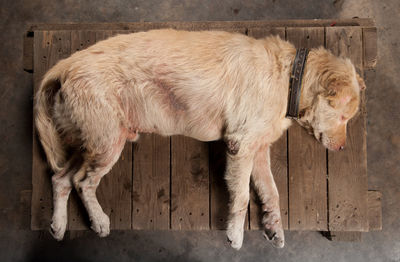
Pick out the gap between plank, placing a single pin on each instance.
(287, 164)
(170, 183)
(327, 166)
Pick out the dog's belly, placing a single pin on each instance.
(160, 120)
(205, 132)
(172, 110)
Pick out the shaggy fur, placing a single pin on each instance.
(206, 85)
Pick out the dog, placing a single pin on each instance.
(206, 85)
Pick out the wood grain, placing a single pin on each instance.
(27, 57)
(206, 25)
(307, 158)
(370, 47)
(348, 209)
(151, 183)
(261, 32)
(219, 195)
(278, 154)
(280, 172)
(115, 189)
(77, 215)
(375, 210)
(49, 47)
(189, 184)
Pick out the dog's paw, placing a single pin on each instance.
(273, 230)
(235, 236)
(101, 225)
(275, 237)
(57, 229)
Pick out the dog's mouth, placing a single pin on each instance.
(315, 133)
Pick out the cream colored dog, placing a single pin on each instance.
(205, 85)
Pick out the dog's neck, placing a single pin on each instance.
(311, 86)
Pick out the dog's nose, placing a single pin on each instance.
(341, 148)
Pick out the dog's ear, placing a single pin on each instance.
(361, 82)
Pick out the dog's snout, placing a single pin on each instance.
(341, 147)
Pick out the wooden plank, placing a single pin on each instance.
(189, 184)
(77, 215)
(103, 35)
(82, 39)
(121, 206)
(27, 58)
(370, 47)
(375, 210)
(278, 155)
(280, 172)
(307, 158)
(151, 183)
(348, 209)
(219, 195)
(115, 190)
(141, 26)
(49, 47)
(261, 32)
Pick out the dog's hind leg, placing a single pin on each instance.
(62, 186)
(87, 181)
(267, 191)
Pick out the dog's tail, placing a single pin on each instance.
(44, 122)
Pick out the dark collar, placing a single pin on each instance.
(295, 83)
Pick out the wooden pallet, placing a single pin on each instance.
(177, 183)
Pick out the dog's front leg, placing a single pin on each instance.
(265, 187)
(239, 166)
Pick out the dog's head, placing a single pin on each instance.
(331, 97)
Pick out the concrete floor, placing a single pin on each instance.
(18, 243)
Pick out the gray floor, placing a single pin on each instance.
(18, 243)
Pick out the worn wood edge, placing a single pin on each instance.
(375, 210)
(370, 47)
(364, 22)
(27, 57)
(37, 158)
